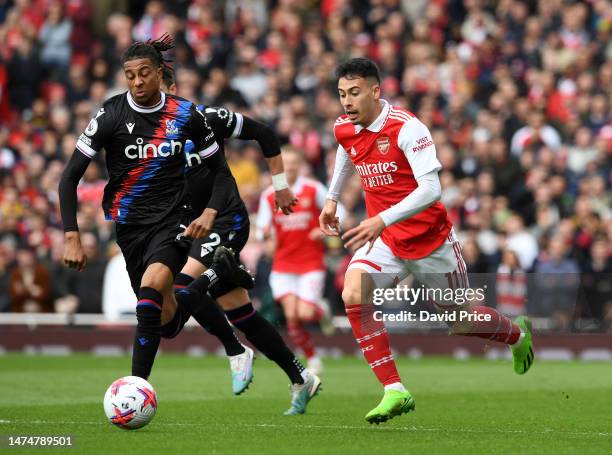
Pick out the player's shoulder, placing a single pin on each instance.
(410, 127)
(401, 115)
(114, 104)
(184, 103)
(343, 128)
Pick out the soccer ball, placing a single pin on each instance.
(130, 402)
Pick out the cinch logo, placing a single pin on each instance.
(142, 150)
(193, 159)
(367, 169)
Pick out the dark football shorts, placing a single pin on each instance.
(230, 232)
(163, 242)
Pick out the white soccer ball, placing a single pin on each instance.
(130, 402)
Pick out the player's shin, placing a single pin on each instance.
(300, 337)
(489, 324)
(267, 339)
(209, 315)
(372, 337)
(148, 331)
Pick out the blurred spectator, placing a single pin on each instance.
(117, 294)
(511, 286)
(521, 241)
(535, 134)
(54, 38)
(558, 280)
(4, 280)
(84, 289)
(30, 285)
(597, 282)
(23, 75)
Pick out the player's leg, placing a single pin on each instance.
(240, 312)
(298, 335)
(371, 334)
(155, 284)
(444, 269)
(310, 309)
(285, 288)
(205, 311)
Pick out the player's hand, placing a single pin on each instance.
(367, 231)
(328, 221)
(316, 234)
(74, 256)
(202, 225)
(285, 200)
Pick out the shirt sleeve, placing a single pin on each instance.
(415, 141)
(427, 192)
(343, 167)
(96, 134)
(224, 122)
(201, 134)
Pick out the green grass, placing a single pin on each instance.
(472, 406)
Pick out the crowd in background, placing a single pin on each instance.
(517, 95)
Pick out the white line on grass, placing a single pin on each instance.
(327, 427)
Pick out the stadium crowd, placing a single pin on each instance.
(517, 95)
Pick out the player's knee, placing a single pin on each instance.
(306, 311)
(159, 277)
(351, 296)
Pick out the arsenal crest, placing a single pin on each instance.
(384, 144)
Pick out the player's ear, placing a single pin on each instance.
(376, 90)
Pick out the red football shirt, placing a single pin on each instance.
(389, 155)
(295, 251)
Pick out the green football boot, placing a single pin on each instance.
(393, 403)
(522, 355)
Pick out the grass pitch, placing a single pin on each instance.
(472, 406)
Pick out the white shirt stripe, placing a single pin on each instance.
(85, 149)
(238, 127)
(209, 151)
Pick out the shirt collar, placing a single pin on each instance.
(380, 121)
(146, 109)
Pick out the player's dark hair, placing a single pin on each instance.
(151, 49)
(358, 67)
(168, 76)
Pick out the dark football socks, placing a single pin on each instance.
(266, 339)
(148, 331)
(205, 311)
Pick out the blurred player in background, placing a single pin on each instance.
(298, 269)
(231, 229)
(407, 232)
(144, 132)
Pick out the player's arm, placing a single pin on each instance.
(233, 124)
(263, 222)
(415, 141)
(205, 143)
(87, 146)
(343, 168)
(284, 198)
(74, 256)
(417, 144)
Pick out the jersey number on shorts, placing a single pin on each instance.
(208, 247)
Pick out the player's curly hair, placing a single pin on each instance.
(151, 49)
(358, 67)
(168, 76)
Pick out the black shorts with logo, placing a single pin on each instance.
(163, 242)
(230, 231)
